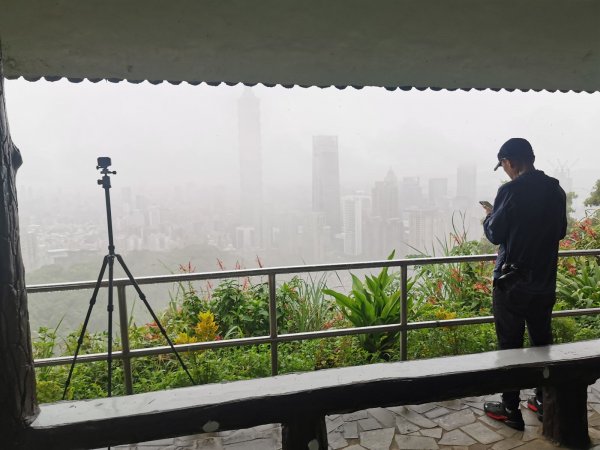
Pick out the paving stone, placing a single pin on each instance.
(530, 433)
(273, 433)
(386, 418)
(245, 435)
(355, 447)
(456, 405)
(397, 409)
(493, 398)
(491, 422)
(507, 444)
(404, 426)
(476, 405)
(538, 444)
(333, 424)
(157, 442)
(478, 447)
(256, 444)
(336, 440)
(267, 427)
(416, 443)
(418, 419)
(477, 412)
(416, 433)
(369, 424)
(355, 416)
(593, 397)
(594, 434)
(481, 433)
(507, 432)
(377, 440)
(479, 398)
(210, 443)
(437, 412)
(456, 420)
(423, 408)
(350, 430)
(432, 432)
(456, 437)
(594, 419)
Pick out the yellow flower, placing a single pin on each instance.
(183, 338)
(206, 328)
(442, 314)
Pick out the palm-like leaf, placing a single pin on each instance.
(370, 303)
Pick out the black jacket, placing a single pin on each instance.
(528, 220)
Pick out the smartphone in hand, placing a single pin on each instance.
(486, 204)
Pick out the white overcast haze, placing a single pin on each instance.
(167, 135)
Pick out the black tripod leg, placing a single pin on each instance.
(85, 323)
(162, 330)
(109, 309)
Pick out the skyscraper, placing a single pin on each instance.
(251, 193)
(326, 180)
(355, 210)
(386, 202)
(411, 195)
(438, 192)
(466, 182)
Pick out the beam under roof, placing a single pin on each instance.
(512, 44)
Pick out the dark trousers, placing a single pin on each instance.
(512, 311)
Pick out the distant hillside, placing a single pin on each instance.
(49, 308)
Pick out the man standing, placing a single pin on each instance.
(527, 221)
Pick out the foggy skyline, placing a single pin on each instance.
(236, 167)
(172, 134)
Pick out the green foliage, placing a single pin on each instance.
(446, 291)
(445, 341)
(240, 308)
(579, 287)
(583, 234)
(594, 198)
(305, 307)
(244, 307)
(372, 303)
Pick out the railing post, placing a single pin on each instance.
(124, 326)
(404, 313)
(273, 323)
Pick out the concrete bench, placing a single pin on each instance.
(300, 402)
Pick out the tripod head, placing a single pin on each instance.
(103, 163)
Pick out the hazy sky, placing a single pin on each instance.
(169, 134)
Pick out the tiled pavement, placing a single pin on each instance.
(457, 424)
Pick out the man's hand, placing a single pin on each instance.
(487, 206)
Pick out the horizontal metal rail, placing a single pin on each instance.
(274, 338)
(222, 274)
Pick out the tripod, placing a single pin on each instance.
(109, 260)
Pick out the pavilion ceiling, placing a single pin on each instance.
(450, 44)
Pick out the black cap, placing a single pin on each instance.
(517, 149)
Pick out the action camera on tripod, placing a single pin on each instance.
(108, 262)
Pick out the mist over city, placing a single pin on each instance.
(238, 177)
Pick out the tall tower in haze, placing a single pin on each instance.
(466, 182)
(386, 202)
(326, 180)
(251, 189)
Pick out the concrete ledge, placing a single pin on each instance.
(288, 398)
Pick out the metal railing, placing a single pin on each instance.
(274, 338)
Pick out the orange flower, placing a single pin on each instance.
(481, 287)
